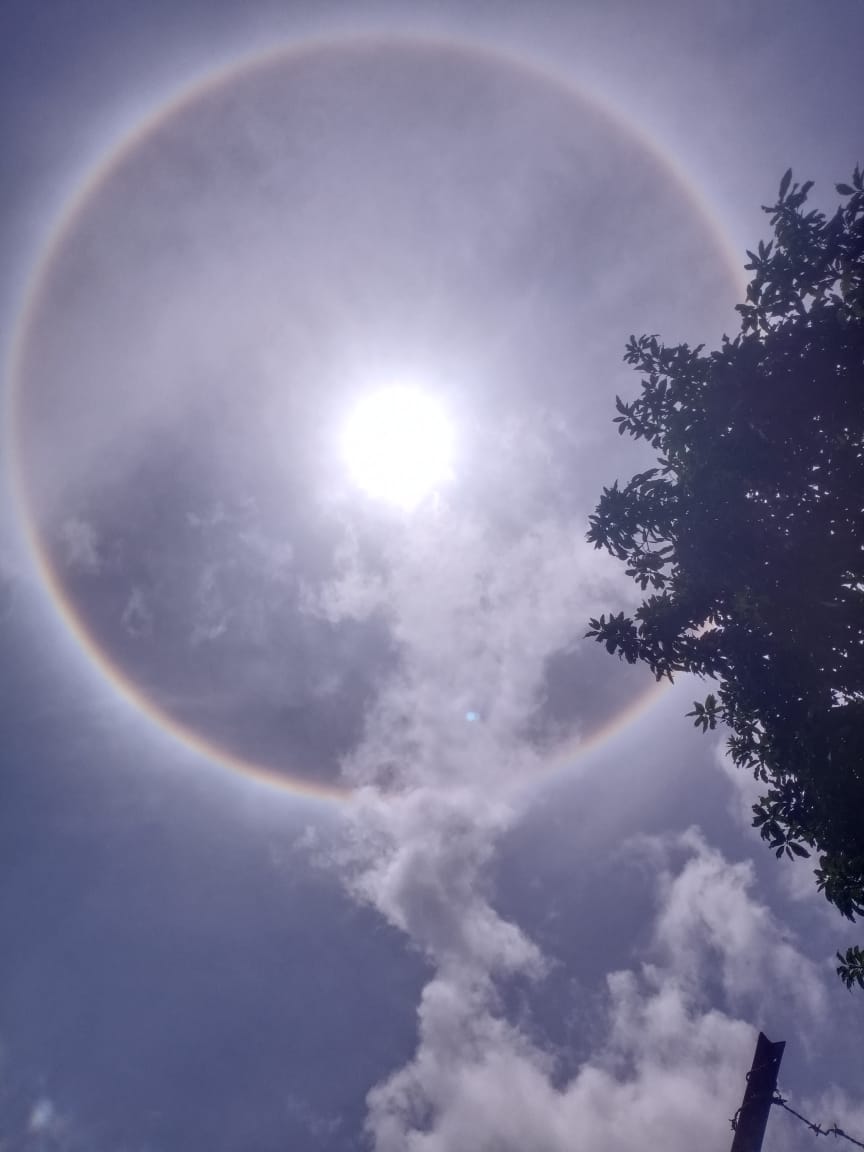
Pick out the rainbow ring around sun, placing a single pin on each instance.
(310, 304)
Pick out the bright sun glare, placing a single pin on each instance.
(398, 445)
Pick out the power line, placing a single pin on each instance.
(834, 1130)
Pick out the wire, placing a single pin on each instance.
(834, 1130)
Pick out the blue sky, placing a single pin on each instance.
(547, 925)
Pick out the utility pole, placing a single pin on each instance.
(761, 1083)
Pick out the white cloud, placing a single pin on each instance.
(137, 616)
(475, 619)
(43, 1116)
(709, 919)
(211, 618)
(81, 546)
(668, 1075)
(670, 1069)
(356, 594)
(420, 858)
(475, 613)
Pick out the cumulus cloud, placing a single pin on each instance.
(713, 927)
(670, 1068)
(666, 1076)
(474, 616)
(474, 620)
(420, 857)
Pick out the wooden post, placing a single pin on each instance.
(761, 1083)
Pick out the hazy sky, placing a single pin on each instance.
(322, 827)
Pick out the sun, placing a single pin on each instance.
(398, 445)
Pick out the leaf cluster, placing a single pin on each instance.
(851, 967)
(748, 534)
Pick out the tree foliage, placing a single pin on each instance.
(747, 535)
(851, 967)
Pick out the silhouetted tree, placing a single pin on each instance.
(851, 967)
(748, 533)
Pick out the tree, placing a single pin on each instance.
(851, 967)
(749, 534)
